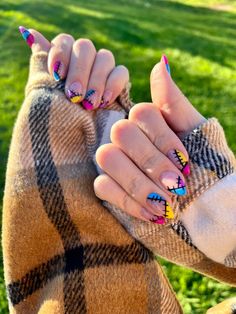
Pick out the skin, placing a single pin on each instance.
(83, 64)
(140, 144)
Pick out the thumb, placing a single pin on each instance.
(176, 109)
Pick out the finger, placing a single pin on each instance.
(150, 160)
(107, 189)
(150, 120)
(103, 65)
(178, 112)
(35, 40)
(116, 82)
(59, 56)
(111, 159)
(81, 62)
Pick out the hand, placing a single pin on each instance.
(92, 78)
(145, 163)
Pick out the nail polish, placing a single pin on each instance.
(158, 202)
(166, 63)
(159, 220)
(57, 70)
(173, 183)
(74, 92)
(28, 37)
(90, 99)
(179, 159)
(106, 98)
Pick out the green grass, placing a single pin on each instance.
(199, 42)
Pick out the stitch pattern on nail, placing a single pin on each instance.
(154, 198)
(74, 97)
(88, 102)
(28, 37)
(103, 103)
(56, 70)
(180, 189)
(183, 162)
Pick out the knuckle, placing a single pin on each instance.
(125, 202)
(120, 129)
(104, 153)
(106, 53)
(84, 43)
(150, 163)
(134, 186)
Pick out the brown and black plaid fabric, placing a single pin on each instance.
(63, 250)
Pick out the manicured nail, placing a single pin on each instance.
(57, 70)
(179, 159)
(106, 98)
(173, 183)
(28, 37)
(90, 99)
(74, 92)
(166, 63)
(158, 202)
(160, 220)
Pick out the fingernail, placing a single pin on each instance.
(57, 70)
(28, 37)
(160, 220)
(173, 183)
(179, 159)
(89, 99)
(164, 58)
(106, 98)
(74, 92)
(158, 202)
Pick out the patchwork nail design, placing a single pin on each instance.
(180, 161)
(74, 92)
(173, 183)
(89, 99)
(106, 98)
(28, 37)
(166, 63)
(159, 220)
(158, 202)
(57, 70)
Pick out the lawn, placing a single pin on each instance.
(197, 36)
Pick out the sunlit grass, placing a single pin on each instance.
(199, 42)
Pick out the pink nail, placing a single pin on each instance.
(28, 37)
(164, 58)
(106, 98)
(179, 159)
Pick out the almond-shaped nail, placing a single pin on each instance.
(173, 183)
(159, 220)
(158, 202)
(164, 58)
(28, 37)
(58, 70)
(180, 160)
(106, 98)
(74, 92)
(89, 99)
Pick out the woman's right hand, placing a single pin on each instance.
(146, 162)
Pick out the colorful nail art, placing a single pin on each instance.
(106, 98)
(158, 202)
(173, 183)
(166, 63)
(159, 220)
(89, 100)
(74, 92)
(28, 37)
(57, 70)
(181, 162)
